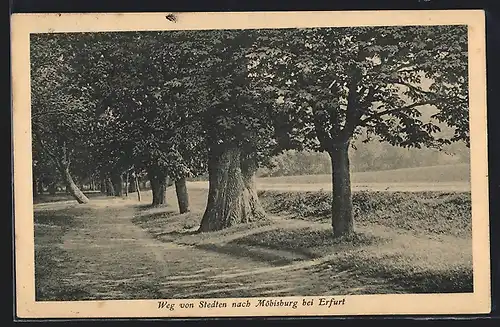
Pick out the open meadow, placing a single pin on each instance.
(119, 248)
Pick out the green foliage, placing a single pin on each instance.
(59, 110)
(337, 82)
(366, 157)
(108, 102)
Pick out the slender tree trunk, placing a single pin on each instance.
(162, 194)
(103, 186)
(72, 188)
(126, 185)
(182, 195)
(136, 183)
(110, 187)
(342, 215)
(153, 183)
(232, 197)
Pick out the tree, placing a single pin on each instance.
(59, 110)
(237, 133)
(141, 121)
(343, 81)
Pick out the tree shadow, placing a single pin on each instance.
(62, 217)
(179, 233)
(254, 253)
(167, 225)
(280, 246)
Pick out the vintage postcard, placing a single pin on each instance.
(250, 164)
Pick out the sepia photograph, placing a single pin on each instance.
(250, 164)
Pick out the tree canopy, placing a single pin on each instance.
(177, 104)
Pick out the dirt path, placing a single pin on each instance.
(107, 256)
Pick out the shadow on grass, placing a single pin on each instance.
(306, 240)
(50, 227)
(144, 207)
(166, 225)
(59, 197)
(280, 246)
(396, 269)
(65, 217)
(252, 253)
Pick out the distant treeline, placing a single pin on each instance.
(371, 156)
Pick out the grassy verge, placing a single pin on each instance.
(50, 227)
(419, 242)
(424, 244)
(419, 212)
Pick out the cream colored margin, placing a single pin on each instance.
(24, 24)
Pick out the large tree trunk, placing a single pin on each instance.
(182, 195)
(72, 188)
(117, 180)
(159, 183)
(342, 216)
(232, 197)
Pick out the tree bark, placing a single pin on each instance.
(182, 195)
(159, 183)
(72, 188)
(117, 180)
(103, 186)
(126, 185)
(136, 183)
(110, 188)
(232, 197)
(342, 215)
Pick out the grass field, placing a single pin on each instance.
(435, 174)
(113, 248)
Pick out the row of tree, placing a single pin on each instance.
(373, 156)
(179, 104)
